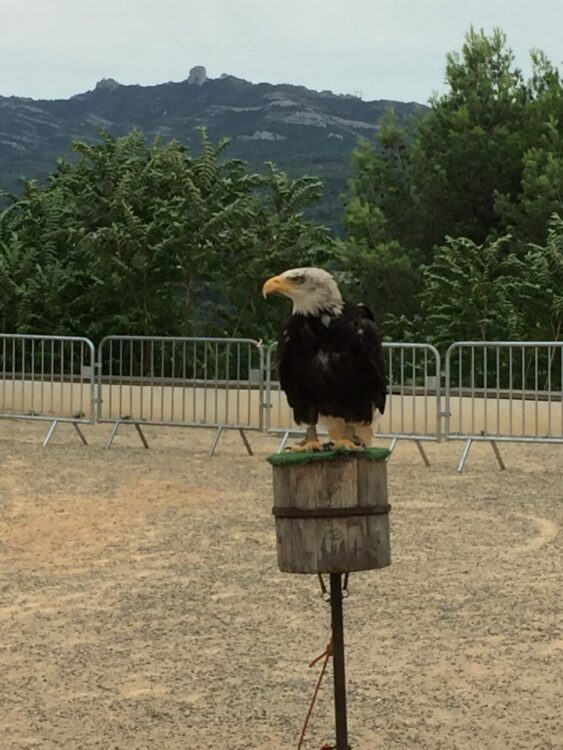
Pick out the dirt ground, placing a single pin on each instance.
(141, 606)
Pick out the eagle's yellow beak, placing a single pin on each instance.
(277, 284)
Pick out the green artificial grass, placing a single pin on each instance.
(296, 459)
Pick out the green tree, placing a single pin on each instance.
(470, 146)
(536, 285)
(41, 278)
(485, 161)
(379, 206)
(278, 238)
(386, 278)
(380, 269)
(484, 292)
(526, 214)
(148, 239)
(466, 295)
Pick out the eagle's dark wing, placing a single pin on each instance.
(297, 345)
(332, 365)
(364, 344)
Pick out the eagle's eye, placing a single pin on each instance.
(299, 279)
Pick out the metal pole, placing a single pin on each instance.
(338, 659)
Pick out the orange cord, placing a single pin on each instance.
(326, 654)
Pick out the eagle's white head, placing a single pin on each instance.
(311, 290)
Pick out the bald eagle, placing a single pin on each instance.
(330, 359)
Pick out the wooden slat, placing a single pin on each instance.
(372, 489)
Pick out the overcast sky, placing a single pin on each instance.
(385, 49)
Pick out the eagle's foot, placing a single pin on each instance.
(309, 443)
(307, 446)
(349, 445)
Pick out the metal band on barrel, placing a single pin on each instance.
(356, 510)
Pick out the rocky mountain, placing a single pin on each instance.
(301, 130)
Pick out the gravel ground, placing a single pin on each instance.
(141, 606)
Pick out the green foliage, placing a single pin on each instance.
(536, 284)
(380, 270)
(379, 206)
(483, 292)
(385, 277)
(470, 146)
(147, 239)
(468, 190)
(526, 215)
(464, 293)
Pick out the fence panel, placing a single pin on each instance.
(413, 407)
(176, 381)
(505, 390)
(49, 378)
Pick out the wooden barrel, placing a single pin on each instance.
(332, 514)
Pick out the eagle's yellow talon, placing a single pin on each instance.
(348, 445)
(309, 445)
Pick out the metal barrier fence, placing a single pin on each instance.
(496, 391)
(501, 391)
(174, 381)
(47, 378)
(413, 410)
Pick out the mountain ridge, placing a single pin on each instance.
(300, 129)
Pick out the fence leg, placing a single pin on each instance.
(497, 454)
(391, 448)
(246, 443)
(464, 455)
(113, 433)
(141, 435)
(422, 452)
(50, 432)
(283, 443)
(80, 433)
(217, 436)
(53, 427)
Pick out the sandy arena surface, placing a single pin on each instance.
(141, 606)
